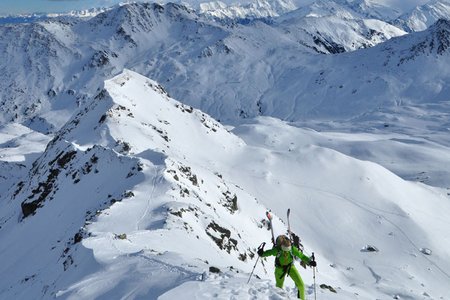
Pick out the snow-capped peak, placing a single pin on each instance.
(425, 15)
(133, 102)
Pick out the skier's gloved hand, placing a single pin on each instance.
(260, 251)
(312, 263)
(296, 240)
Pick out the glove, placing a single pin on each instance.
(312, 263)
(303, 264)
(260, 251)
(296, 240)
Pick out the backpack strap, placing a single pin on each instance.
(277, 259)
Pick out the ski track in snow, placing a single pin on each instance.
(150, 197)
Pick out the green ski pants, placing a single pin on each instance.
(280, 274)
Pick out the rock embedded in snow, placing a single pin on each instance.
(213, 269)
(425, 251)
(369, 248)
(328, 287)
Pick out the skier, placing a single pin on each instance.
(284, 263)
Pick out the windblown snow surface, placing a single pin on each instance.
(139, 196)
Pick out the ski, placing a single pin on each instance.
(269, 217)
(289, 224)
(295, 240)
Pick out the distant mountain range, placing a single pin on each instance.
(29, 18)
(230, 68)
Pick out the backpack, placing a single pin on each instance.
(296, 241)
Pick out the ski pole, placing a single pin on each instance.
(314, 275)
(251, 274)
(264, 267)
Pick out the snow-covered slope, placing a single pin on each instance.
(334, 201)
(387, 10)
(19, 148)
(403, 72)
(110, 206)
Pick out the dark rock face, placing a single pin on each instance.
(221, 236)
(330, 46)
(46, 187)
(41, 192)
(442, 36)
(29, 208)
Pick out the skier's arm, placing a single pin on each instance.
(300, 255)
(271, 252)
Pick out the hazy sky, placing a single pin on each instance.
(29, 6)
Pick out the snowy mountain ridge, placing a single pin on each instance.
(98, 155)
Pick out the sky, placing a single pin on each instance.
(11, 7)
